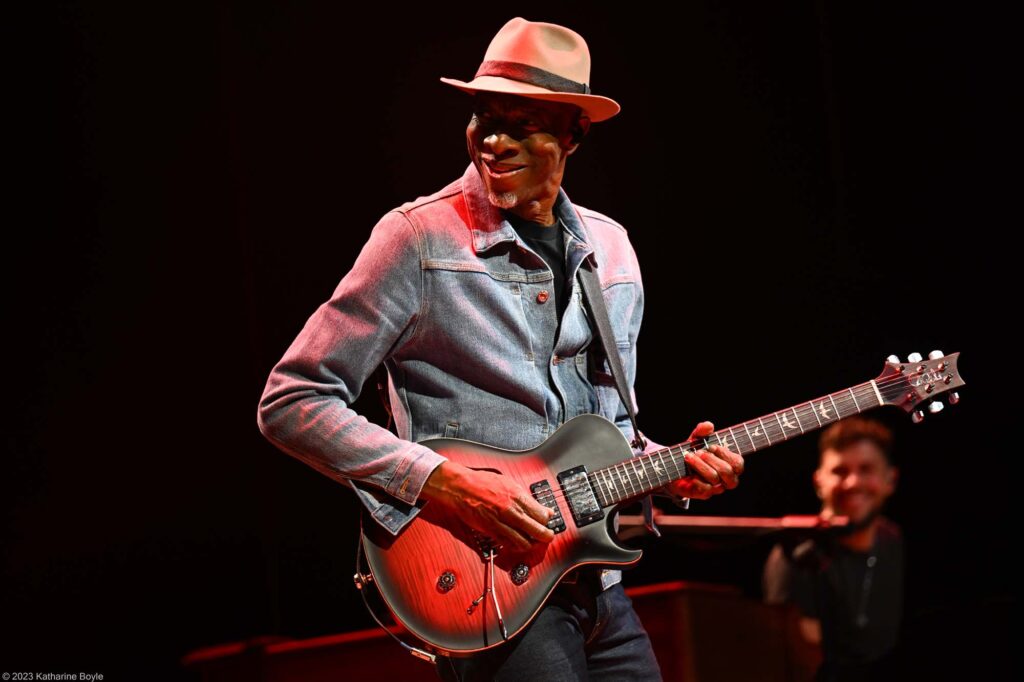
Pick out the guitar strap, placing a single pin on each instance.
(599, 314)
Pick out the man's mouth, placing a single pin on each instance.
(501, 171)
(855, 500)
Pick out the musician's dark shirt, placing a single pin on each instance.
(549, 243)
(860, 606)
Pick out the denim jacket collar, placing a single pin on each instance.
(489, 227)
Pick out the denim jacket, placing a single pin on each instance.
(462, 313)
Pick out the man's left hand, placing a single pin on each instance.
(712, 471)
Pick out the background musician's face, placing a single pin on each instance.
(519, 146)
(855, 481)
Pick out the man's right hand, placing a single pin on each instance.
(492, 504)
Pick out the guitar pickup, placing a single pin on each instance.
(542, 493)
(580, 496)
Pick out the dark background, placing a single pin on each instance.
(809, 187)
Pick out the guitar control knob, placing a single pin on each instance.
(954, 398)
(914, 357)
(893, 360)
(446, 581)
(917, 416)
(520, 574)
(935, 355)
(935, 406)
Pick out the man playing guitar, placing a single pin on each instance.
(471, 298)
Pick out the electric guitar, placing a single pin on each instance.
(456, 591)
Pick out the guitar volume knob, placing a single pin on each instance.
(446, 581)
(520, 574)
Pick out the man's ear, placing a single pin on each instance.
(817, 484)
(578, 131)
(581, 129)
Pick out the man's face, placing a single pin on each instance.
(856, 481)
(519, 146)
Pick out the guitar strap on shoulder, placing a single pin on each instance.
(598, 313)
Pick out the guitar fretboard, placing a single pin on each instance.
(640, 475)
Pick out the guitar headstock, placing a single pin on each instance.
(909, 384)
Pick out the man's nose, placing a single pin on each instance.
(498, 143)
(851, 480)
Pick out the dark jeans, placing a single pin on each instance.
(581, 633)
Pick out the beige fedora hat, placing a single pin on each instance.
(542, 61)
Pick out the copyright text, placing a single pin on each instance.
(51, 677)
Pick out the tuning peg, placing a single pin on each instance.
(935, 406)
(914, 357)
(954, 398)
(936, 354)
(917, 417)
(892, 359)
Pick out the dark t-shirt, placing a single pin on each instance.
(857, 596)
(549, 243)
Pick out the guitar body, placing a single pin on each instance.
(435, 575)
(407, 569)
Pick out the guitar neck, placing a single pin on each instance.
(640, 475)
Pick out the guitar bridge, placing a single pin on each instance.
(485, 544)
(580, 495)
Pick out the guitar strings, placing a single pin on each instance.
(553, 495)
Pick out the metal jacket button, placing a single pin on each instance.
(542, 297)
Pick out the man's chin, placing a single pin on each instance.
(504, 200)
(859, 518)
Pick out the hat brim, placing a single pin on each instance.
(597, 108)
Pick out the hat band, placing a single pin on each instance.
(532, 75)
